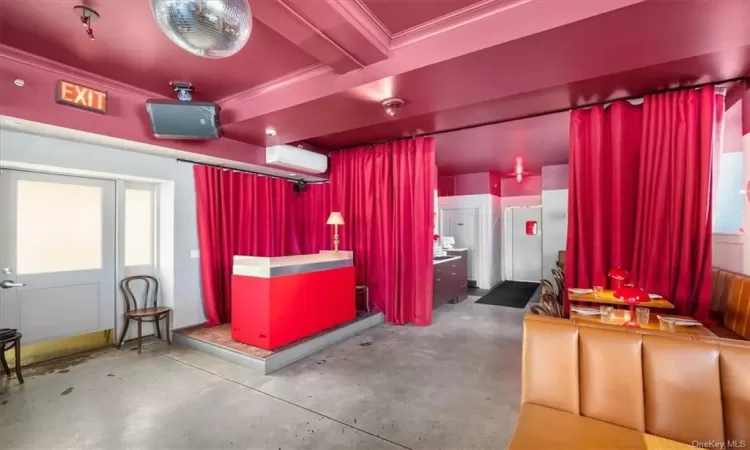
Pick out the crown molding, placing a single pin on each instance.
(285, 20)
(297, 76)
(464, 16)
(359, 15)
(64, 70)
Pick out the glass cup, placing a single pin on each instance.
(598, 290)
(642, 315)
(607, 313)
(667, 325)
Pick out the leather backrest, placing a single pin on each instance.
(681, 387)
(718, 290)
(611, 385)
(559, 363)
(737, 304)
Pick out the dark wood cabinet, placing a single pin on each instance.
(450, 281)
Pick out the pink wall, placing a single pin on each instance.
(555, 177)
(746, 159)
(496, 183)
(552, 178)
(469, 184)
(531, 185)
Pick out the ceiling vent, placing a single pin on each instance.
(295, 158)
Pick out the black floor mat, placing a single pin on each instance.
(515, 294)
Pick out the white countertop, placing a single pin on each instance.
(265, 267)
(440, 261)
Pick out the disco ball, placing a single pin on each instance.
(208, 28)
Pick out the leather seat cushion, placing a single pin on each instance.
(545, 428)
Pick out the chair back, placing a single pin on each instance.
(150, 292)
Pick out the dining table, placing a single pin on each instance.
(621, 317)
(607, 297)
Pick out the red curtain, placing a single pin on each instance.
(385, 195)
(603, 168)
(640, 188)
(673, 234)
(245, 214)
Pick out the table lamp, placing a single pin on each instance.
(632, 296)
(619, 277)
(335, 219)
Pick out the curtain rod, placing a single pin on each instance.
(292, 180)
(552, 111)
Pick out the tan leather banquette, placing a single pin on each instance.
(601, 386)
(731, 300)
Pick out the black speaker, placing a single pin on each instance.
(184, 120)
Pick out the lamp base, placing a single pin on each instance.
(632, 322)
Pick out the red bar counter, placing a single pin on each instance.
(276, 301)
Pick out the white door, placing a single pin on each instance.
(526, 225)
(461, 224)
(57, 254)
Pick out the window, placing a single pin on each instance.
(730, 203)
(139, 226)
(74, 243)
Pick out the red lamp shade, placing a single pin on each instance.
(632, 296)
(619, 277)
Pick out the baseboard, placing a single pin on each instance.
(60, 348)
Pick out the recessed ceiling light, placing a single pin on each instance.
(292, 174)
(19, 82)
(270, 132)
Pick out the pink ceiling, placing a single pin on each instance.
(503, 82)
(317, 71)
(399, 15)
(540, 141)
(130, 48)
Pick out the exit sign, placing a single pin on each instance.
(83, 97)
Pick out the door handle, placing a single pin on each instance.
(7, 284)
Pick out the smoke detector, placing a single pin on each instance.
(391, 105)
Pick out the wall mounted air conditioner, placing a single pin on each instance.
(294, 158)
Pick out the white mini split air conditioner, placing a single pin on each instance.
(294, 158)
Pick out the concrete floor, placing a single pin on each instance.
(453, 385)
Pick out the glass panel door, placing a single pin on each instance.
(57, 254)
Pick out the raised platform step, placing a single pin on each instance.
(217, 342)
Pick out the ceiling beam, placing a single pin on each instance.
(501, 22)
(319, 29)
(284, 20)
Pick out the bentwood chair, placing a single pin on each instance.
(149, 314)
(11, 339)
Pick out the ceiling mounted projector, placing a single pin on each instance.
(208, 28)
